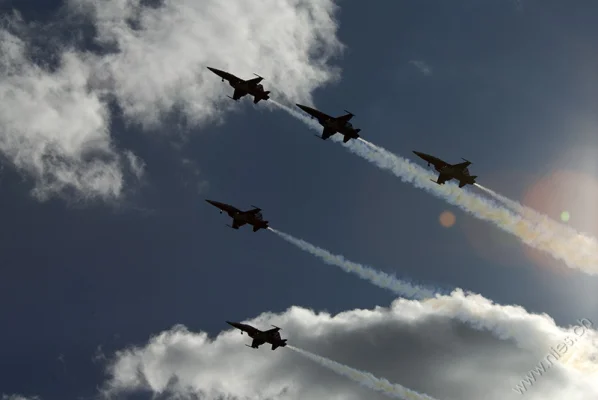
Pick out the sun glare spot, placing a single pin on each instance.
(447, 219)
(565, 216)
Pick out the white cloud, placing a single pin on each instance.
(422, 66)
(54, 128)
(416, 344)
(161, 55)
(55, 124)
(18, 397)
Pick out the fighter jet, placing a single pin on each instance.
(271, 336)
(447, 171)
(333, 125)
(252, 217)
(243, 87)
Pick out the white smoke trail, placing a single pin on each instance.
(365, 378)
(576, 251)
(378, 278)
(474, 317)
(530, 213)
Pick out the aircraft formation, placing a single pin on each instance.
(331, 126)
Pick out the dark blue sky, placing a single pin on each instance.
(513, 89)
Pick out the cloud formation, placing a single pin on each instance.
(55, 129)
(417, 344)
(55, 122)
(159, 54)
(18, 397)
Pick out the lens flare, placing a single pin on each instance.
(555, 194)
(447, 219)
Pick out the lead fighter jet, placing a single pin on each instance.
(271, 336)
(333, 125)
(447, 171)
(243, 87)
(252, 217)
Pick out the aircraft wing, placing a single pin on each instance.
(237, 224)
(238, 93)
(257, 343)
(254, 81)
(462, 165)
(327, 133)
(443, 178)
(345, 118)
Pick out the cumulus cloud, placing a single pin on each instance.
(157, 54)
(417, 344)
(54, 128)
(55, 122)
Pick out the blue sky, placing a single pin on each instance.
(511, 86)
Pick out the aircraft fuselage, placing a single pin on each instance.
(456, 173)
(344, 128)
(272, 336)
(254, 89)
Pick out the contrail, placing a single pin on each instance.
(474, 317)
(530, 213)
(365, 378)
(378, 278)
(576, 251)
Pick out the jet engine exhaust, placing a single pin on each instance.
(365, 379)
(576, 250)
